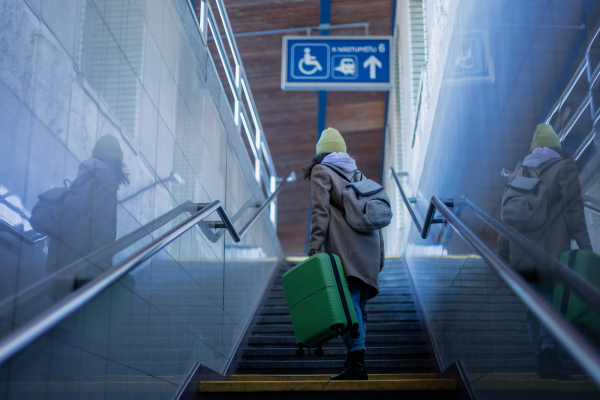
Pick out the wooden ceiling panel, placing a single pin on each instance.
(289, 118)
(363, 118)
(261, 15)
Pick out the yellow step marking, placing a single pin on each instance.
(372, 377)
(318, 386)
(295, 258)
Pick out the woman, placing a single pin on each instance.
(91, 221)
(565, 221)
(361, 253)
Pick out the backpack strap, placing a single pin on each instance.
(81, 180)
(356, 172)
(337, 207)
(337, 172)
(333, 203)
(527, 174)
(547, 167)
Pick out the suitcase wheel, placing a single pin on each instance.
(318, 352)
(300, 351)
(354, 333)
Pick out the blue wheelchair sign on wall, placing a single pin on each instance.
(336, 63)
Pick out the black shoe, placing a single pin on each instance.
(551, 366)
(354, 368)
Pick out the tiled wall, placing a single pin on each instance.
(481, 118)
(72, 71)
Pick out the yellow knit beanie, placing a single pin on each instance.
(545, 136)
(330, 142)
(108, 147)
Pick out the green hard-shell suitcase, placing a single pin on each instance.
(587, 264)
(319, 301)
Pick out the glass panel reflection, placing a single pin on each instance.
(109, 136)
(510, 66)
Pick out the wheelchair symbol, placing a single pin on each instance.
(309, 60)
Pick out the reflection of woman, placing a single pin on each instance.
(92, 223)
(361, 253)
(565, 221)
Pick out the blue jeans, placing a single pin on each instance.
(539, 336)
(359, 291)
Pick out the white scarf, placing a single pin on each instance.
(342, 160)
(90, 165)
(540, 155)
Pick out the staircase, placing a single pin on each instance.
(397, 357)
(396, 342)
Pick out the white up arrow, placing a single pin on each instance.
(372, 62)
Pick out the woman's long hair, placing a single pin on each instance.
(316, 160)
(120, 169)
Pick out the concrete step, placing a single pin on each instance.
(388, 299)
(373, 317)
(410, 307)
(395, 339)
(315, 364)
(333, 371)
(287, 378)
(370, 339)
(337, 353)
(394, 327)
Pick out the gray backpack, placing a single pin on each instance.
(366, 205)
(525, 201)
(60, 208)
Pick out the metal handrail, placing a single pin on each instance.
(429, 217)
(37, 290)
(592, 208)
(34, 329)
(568, 89)
(30, 241)
(585, 354)
(582, 287)
(290, 178)
(559, 271)
(235, 74)
(28, 333)
(261, 208)
(41, 287)
(592, 76)
(574, 343)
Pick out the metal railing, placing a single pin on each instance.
(22, 236)
(592, 73)
(245, 118)
(38, 326)
(49, 283)
(574, 343)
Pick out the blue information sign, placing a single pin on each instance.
(336, 63)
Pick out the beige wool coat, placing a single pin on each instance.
(361, 252)
(566, 219)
